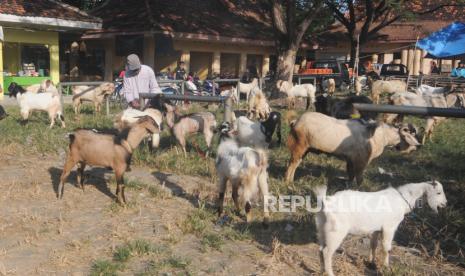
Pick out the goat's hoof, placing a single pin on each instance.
(371, 265)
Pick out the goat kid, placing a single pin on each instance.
(94, 94)
(87, 147)
(379, 215)
(29, 101)
(381, 86)
(247, 88)
(330, 86)
(258, 106)
(298, 91)
(130, 116)
(182, 126)
(351, 140)
(246, 169)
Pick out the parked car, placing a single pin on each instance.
(389, 70)
(330, 68)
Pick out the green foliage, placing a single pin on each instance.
(105, 268)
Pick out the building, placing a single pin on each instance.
(210, 36)
(396, 42)
(29, 48)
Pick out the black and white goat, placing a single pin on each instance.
(343, 108)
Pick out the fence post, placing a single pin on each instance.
(107, 103)
(182, 87)
(228, 110)
(142, 102)
(238, 89)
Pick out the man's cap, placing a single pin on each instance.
(133, 62)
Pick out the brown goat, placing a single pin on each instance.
(90, 148)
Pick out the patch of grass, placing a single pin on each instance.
(134, 248)
(177, 262)
(212, 240)
(156, 191)
(135, 184)
(196, 222)
(105, 268)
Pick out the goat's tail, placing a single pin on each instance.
(72, 138)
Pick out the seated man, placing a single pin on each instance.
(138, 79)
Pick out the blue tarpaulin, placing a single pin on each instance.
(447, 42)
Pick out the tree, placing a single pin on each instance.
(292, 20)
(366, 18)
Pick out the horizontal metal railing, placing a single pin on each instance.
(412, 110)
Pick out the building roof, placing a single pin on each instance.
(226, 18)
(46, 13)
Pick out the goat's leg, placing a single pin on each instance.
(235, 196)
(120, 187)
(80, 174)
(263, 186)
(373, 245)
(221, 190)
(208, 139)
(428, 130)
(297, 153)
(69, 164)
(358, 170)
(388, 236)
(332, 242)
(350, 171)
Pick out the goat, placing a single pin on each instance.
(343, 108)
(245, 168)
(306, 90)
(231, 93)
(430, 90)
(28, 102)
(258, 134)
(3, 113)
(258, 106)
(330, 85)
(425, 100)
(96, 95)
(87, 147)
(46, 86)
(247, 88)
(379, 215)
(381, 86)
(351, 140)
(130, 116)
(181, 126)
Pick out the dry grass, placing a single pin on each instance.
(170, 224)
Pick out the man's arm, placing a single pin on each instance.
(153, 84)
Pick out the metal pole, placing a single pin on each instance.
(412, 110)
(192, 98)
(228, 110)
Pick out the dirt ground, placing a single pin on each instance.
(40, 235)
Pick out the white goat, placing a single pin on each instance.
(245, 168)
(381, 86)
(130, 116)
(258, 134)
(247, 88)
(351, 140)
(425, 100)
(29, 101)
(94, 94)
(330, 86)
(430, 90)
(258, 106)
(377, 213)
(306, 90)
(360, 81)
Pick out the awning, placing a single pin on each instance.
(447, 42)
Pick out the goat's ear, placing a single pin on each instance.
(434, 182)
